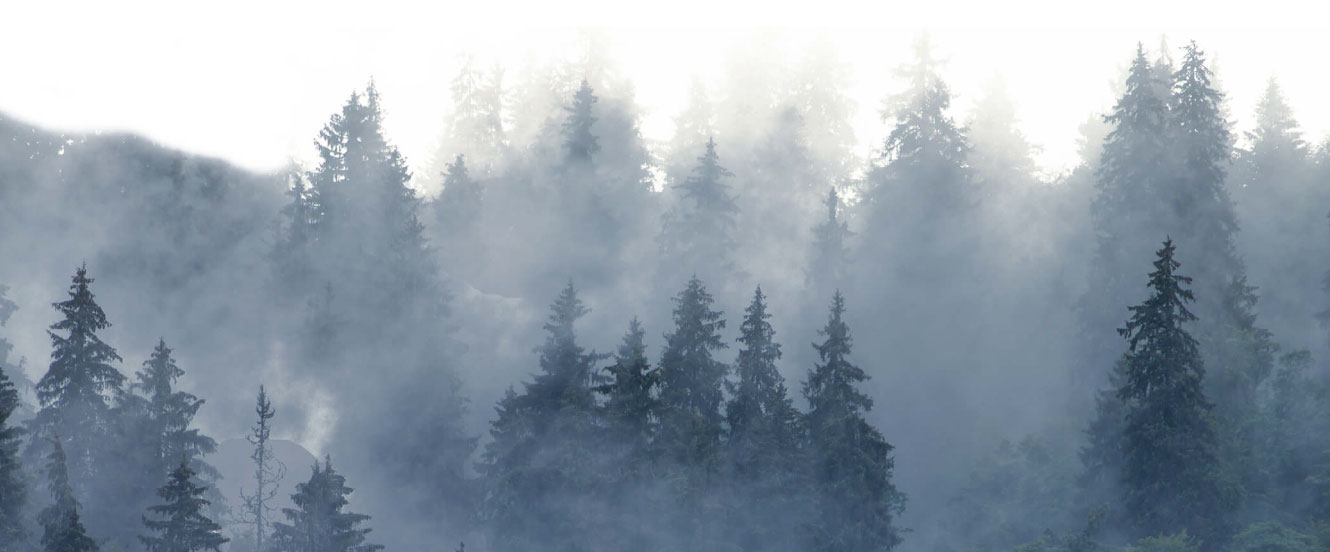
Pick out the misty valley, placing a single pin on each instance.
(557, 335)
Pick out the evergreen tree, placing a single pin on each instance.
(76, 391)
(13, 490)
(169, 414)
(1276, 144)
(153, 433)
(691, 421)
(268, 472)
(630, 403)
(691, 380)
(182, 525)
(851, 461)
(62, 531)
(579, 143)
(1171, 473)
(1133, 166)
(475, 125)
(760, 414)
(543, 453)
(698, 232)
(457, 208)
(926, 169)
(830, 258)
(319, 522)
(764, 443)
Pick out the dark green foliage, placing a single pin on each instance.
(830, 259)
(181, 524)
(698, 232)
(765, 442)
(543, 452)
(926, 151)
(458, 206)
(690, 382)
(851, 462)
(319, 522)
(1132, 167)
(630, 403)
(761, 417)
(75, 392)
(13, 490)
(168, 414)
(1272, 536)
(579, 143)
(1171, 474)
(62, 531)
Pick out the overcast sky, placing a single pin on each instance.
(252, 82)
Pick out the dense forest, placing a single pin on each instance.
(750, 338)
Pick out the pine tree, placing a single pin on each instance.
(764, 442)
(630, 403)
(852, 463)
(699, 231)
(691, 380)
(1276, 143)
(458, 207)
(153, 433)
(319, 523)
(543, 452)
(830, 258)
(169, 414)
(579, 143)
(62, 531)
(75, 392)
(926, 152)
(1171, 472)
(13, 491)
(182, 525)
(1133, 166)
(760, 414)
(268, 472)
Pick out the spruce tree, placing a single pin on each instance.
(319, 522)
(691, 382)
(543, 452)
(1171, 474)
(630, 403)
(268, 472)
(852, 462)
(830, 257)
(76, 391)
(458, 206)
(181, 524)
(13, 490)
(1133, 166)
(62, 531)
(760, 415)
(579, 143)
(764, 444)
(698, 232)
(168, 414)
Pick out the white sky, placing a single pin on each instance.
(253, 81)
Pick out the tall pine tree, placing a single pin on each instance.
(1171, 474)
(62, 531)
(319, 521)
(13, 489)
(543, 453)
(181, 524)
(852, 462)
(76, 392)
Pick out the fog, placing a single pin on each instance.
(429, 257)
